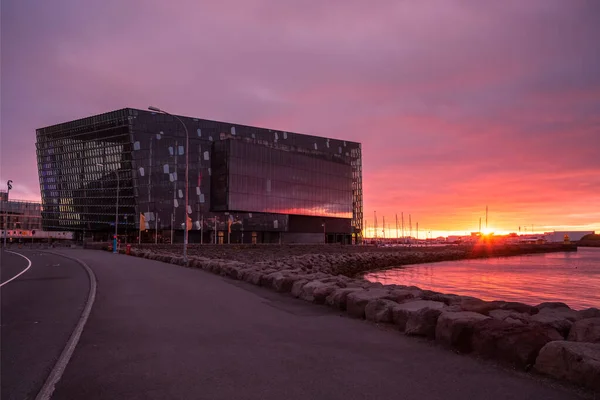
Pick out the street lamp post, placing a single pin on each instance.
(8, 187)
(116, 212)
(187, 152)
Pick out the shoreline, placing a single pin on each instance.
(549, 338)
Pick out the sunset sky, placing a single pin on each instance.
(458, 104)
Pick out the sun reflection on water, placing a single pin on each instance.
(571, 277)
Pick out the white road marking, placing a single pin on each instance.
(59, 368)
(20, 273)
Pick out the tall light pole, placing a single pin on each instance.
(116, 211)
(8, 187)
(187, 153)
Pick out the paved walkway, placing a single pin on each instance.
(159, 331)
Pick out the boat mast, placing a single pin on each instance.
(375, 219)
(402, 227)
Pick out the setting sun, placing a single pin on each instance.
(487, 231)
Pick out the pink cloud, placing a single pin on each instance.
(457, 104)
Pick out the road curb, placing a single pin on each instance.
(57, 371)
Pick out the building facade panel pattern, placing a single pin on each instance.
(82, 162)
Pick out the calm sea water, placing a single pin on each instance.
(571, 277)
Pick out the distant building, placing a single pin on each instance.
(19, 218)
(246, 184)
(559, 236)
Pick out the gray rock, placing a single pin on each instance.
(268, 279)
(586, 330)
(503, 315)
(321, 293)
(297, 287)
(479, 306)
(379, 310)
(338, 297)
(399, 295)
(402, 312)
(253, 277)
(559, 318)
(448, 299)
(575, 362)
(282, 283)
(357, 301)
(520, 308)
(455, 329)
(423, 322)
(309, 288)
(589, 313)
(551, 304)
(515, 343)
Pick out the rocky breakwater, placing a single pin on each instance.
(549, 338)
(346, 260)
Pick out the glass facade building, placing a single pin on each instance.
(246, 184)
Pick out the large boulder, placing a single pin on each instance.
(338, 297)
(504, 315)
(575, 362)
(357, 301)
(586, 330)
(309, 289)
(282, 283)
(379, 310)
(448, 299)
(402, 312)
(268, 279)
(297, 287)
(517, 344)
(559, 318)
(320, 293)
(423, 322)
(589, 313)
(476, 305)
(455, 329)
(551, 304)
(400, 295)
(517, 307)
(253, 277)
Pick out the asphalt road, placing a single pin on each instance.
(159, 331)
(39, 310)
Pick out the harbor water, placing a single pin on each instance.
(570, 277)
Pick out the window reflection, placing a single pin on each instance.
(263, 179)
